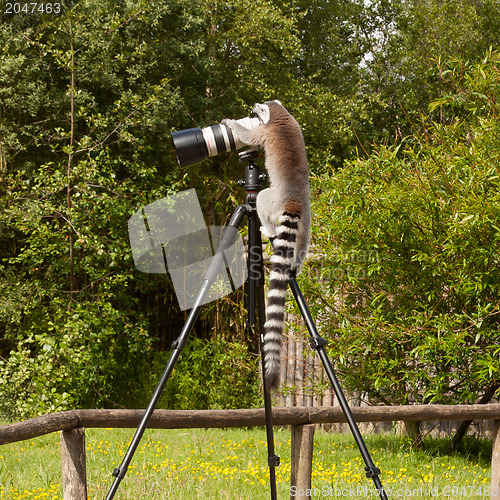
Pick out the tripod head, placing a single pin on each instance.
(252, 183)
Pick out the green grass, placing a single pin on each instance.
(232, 464)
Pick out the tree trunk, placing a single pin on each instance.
(462, 428)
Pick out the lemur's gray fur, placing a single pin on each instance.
(284, 211)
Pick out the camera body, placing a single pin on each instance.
(195, 144)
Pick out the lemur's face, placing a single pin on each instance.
(262, 112)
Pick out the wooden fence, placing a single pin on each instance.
(72, 425)
(301, 373)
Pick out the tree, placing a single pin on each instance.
(407, 242)
(88, 99)
(405, 38)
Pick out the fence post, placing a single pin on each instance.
(302, 456)
(74, 473)
(495, 463)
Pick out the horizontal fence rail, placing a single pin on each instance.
(189, 419)
(72, 424)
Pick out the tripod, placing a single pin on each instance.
(256, 304)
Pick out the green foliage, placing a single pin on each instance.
(76, 164)
(74, 358)
(408, 245)
(403, 39)
(210, 374)
(216, 374)
(88, 99)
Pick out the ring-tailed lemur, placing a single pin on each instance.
(284, 211)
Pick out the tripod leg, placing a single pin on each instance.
(318, 343)
(256, 292)
(273, 460)
(179, 344)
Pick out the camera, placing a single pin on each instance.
(195, 144)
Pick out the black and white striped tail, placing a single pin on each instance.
(282, 260)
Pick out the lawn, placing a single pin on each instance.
(232, 464)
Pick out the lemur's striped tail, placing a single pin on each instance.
(282, 260)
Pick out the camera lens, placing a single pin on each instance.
(190, 146)
(218, 139)
(195, 144)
